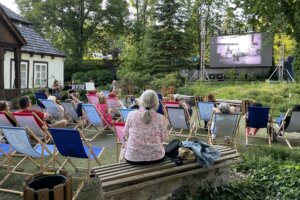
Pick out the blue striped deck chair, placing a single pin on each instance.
(18, 139)
(95, 119)
(160, 109)
(38, 96)
(258, 117)
(70, 112)
(71, 143)
(179, 119)
(52, 109)
(124, 113)
(205, 110)
(293, 125)
(224, 125)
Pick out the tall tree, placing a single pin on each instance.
(72, 24)
(276, 16)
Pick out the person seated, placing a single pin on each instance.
(26, 108)
(145, 132)
(60, 108)
(102, 107)
(223, 108)
(4, 108)
(183, 104)
(56, 89)
(287, 119)
(135, 104)
(209, 98)
(113, 94)
(250, 130)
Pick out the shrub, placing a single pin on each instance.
(15, 103)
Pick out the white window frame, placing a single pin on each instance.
(39, 80)
(12, 80)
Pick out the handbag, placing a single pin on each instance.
(171, 149)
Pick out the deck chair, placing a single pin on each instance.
(4, 121)
(18, 139)
(205, 110)
(70, 111)
(119, 132)
(171, 104)
(292, 127)
(180, 119)
(70, 145)
(113, 104)
(29, 120)
(93, 98)
(105, 93)
(258, 117)
(51, 108)
(224, 125)
(95, 119)
(124, 113)
(38, 96)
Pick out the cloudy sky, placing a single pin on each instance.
(10, 4)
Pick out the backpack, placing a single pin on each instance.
(171, 149)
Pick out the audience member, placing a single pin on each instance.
(113, 86)
(288, 119)
(183, 104)
(145, 132)
(60, 108)
(135, 104)
(102, 107)
(250, 130)
(4, 108)
(56, 89)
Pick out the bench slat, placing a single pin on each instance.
(163, 172)
(169, 178)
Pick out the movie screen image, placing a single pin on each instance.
(240, 50)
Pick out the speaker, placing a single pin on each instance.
(212, 76)
(220, 77)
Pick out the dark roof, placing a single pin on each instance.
(35, 43)
(12, 15)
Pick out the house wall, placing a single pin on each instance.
(55, 68)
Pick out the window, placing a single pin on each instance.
(23, 74)
(40, 74)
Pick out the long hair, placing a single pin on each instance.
(148, 100)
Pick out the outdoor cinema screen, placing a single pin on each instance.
(240, 51)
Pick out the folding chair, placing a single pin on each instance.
(292, 127)
(52, 109)
(225, 125)
(113, 104)
(18, 139)
(29, 120)
(93, 98)
(171, 104)
(38, 96)
(69, 144)
(180, 119)
(95, 119)
(4, 121)
(205, 110)
(124, 113)
(71, 113)
(258, 117)
(105, 93)
(119, 130)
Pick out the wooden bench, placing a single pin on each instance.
(126, 181)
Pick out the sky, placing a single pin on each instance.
(10, 4)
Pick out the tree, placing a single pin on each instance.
(72, 24)
(276, 16)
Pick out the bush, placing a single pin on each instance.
(15, 103)
(100, 77)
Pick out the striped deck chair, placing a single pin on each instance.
(258, 117)
(4, 121)
(93, 98)
(70, 111)
(204, 110)
(52, 108)
(29, 120)
(224, 126)
(119, 132)
(180, 119)
(292, 127)
(18, 138)
(38, 96)
(71, 143)
(113, 104)
(95, 119)
(124, 113)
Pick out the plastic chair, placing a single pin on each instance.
(292, 127)
(71, 143)
(38, 96)
(258, 117)
(18, 138)
(180, 119)
(225, 125)
(52, 109)
(124, 113)
(93, 98)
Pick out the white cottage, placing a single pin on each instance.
(26, 59)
